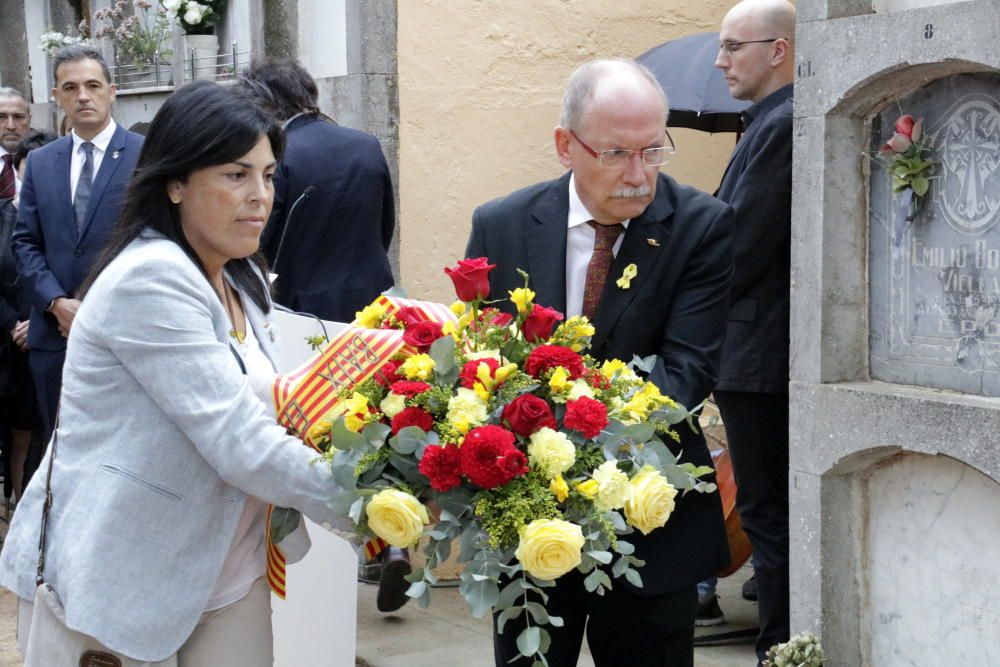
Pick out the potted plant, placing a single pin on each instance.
(198, 20)
(138, 35)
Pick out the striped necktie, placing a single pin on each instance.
(7, 177)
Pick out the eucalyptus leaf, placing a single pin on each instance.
(416, 589)
(592, 581)
(407, 440)
(407, 468)
(284, 521)
(537, 612)
(507, 614)
(602, 557)
(618, 569)
(639, 432)
(355, 511)
(644, 364)
(344, 438)
(633, 577)
(443, 353)
(529, 641)
(510, 594)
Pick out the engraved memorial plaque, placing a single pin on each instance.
(935, 281)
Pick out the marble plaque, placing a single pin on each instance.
(935, 281)
(933, 564)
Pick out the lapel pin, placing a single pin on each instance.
(653, 242)
(630, 272)
(114, 155)
(270, 331)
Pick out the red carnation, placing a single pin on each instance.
(422, 334)
(528, 413)
(540, 322)
(489, 457)
(412, 417)
(408, 389)
(586, 415)
(388, 373)
(547, 357)
(596, 380)
(471, 278)
(442, 466)
(409, 315)
(468, 375)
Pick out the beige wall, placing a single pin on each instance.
(480, 89)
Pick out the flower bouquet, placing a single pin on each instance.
(536, 458)
(910, 170)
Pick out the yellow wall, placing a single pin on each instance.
(480, 90)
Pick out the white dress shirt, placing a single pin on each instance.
(100, 142)
(580, 239)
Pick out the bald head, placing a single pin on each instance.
(609, 81)
(757, 55)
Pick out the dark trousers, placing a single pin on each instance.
(46, 371)
(757, 431)
(622, 628)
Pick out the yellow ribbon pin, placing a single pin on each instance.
(630, 272)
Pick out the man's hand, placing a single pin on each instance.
(20, 334)
(65, 309)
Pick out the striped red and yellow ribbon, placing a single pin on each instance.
(309, 392)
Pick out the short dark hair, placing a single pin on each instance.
(74, 53)
(201, 125)
(282, 86)
(32, 140)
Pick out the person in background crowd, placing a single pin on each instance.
(575, 236)
(70, 199)
(329, 233)
(166, 455)
(15, 121)
(18, 405)
(756, 55)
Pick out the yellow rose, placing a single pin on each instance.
(549, 548)
(392, 404)
(458, 307)
(551, 452)
(370, 317)
(522, 297)
(589, 488)
(613, 486)
(465, 410)
(397, 517)
(651, 502)
(418, 367)
(559, 488)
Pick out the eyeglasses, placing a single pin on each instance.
(729, 48)
(619, 157)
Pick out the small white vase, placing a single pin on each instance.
(204, 51)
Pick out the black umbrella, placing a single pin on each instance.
(696, 89)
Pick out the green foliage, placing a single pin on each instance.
(505, 509)
(370, 389)
(802, 650)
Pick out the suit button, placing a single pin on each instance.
(78, 253)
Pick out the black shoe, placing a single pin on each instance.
(709, 612)
(392, 586)
(749, 589)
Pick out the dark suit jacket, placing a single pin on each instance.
(333, 259)
(675, 309)
(51, 257)
(758, 185)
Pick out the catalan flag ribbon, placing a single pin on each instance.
(308, 393)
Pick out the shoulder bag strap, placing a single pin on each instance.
(47, 505)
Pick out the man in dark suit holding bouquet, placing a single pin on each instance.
(649, 262)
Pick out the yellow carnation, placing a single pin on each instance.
(465, 410)
(397, 517)
(392, 404)
(651, 502)
(559, 488)
(370, 317)
(418, 367)
(549, 548)
(551, 452)
(613, 487)
(522, 298)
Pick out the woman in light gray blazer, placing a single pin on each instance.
(166, 453)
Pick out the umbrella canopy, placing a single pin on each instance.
(696, 90)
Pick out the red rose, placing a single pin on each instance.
(468, 375)
(408, 389)
(412, 417)
(497, 318)
(442, 466)
(587, 416)
(528, 413)
(546, 357)
(409, 315)
(471, 278)
(388, 373)
(422, 334)
(908, 131)
(489, 457)
(540, 322)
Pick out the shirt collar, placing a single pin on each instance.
(102, 139)
(770, 102)
(578, 213)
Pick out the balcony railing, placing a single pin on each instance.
(166, 72)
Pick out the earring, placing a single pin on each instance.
(175, 200)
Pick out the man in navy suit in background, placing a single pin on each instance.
(70, 199)
(333, 213)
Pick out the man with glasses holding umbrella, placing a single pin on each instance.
(649, 262)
